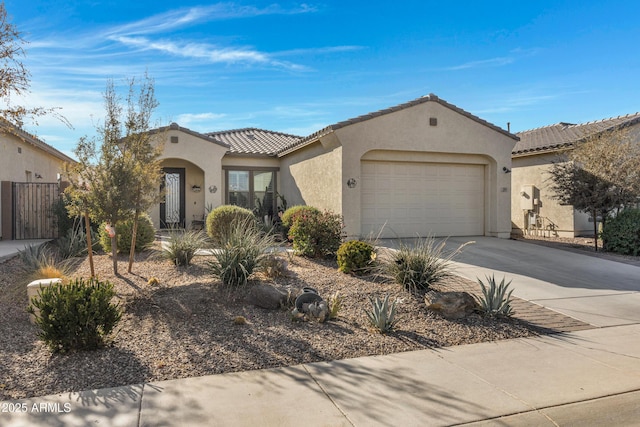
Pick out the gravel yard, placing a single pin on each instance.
(184, 327)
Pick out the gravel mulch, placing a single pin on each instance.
(184, 327)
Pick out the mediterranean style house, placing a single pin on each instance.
(425, 167)
(534, 209)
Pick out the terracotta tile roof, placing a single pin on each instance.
(563, 135)
(428, 98)
(255, 141)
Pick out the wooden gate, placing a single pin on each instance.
(33, 215)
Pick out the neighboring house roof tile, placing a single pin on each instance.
(255, 141)
(428, 98)
(564, 135)
(12, 129)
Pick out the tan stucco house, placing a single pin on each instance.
(26, 159)
(425, 167)
(534, 209)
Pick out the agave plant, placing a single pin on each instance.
(382, 315)
(496, 299)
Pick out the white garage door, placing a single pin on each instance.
(422, 199)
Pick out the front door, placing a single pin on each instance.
(172, 208)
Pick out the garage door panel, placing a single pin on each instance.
(422, 199)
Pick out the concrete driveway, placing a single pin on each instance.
(595, 290)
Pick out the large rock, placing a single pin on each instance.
(268, 296)
(451, 305)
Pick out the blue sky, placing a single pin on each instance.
(297, 67)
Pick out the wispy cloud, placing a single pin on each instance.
(500, 61)
(183, 17)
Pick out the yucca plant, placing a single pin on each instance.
(243, 249)
(382, 315)
(417, 267)
(182, 246)
(496, 299)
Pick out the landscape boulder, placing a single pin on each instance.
(268, 296)
(451, 305)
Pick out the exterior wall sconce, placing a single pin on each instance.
(38, 176)
(351, 183)
(506, 169)
(213, 189)
(196, 188)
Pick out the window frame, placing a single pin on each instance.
(252, 171)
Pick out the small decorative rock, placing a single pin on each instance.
(452, 305)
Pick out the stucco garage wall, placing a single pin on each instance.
(534, 170)
(409, 130)
(312, 176)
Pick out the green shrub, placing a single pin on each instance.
(243, 249)
(316, 234)
(75, 316)
(61, 218)
(287, 215)
(124, 229)
(182, 246)
(355, 257)
(495, 299)
(417, 267)
(622, 233)
(382, 315)
(223, 218)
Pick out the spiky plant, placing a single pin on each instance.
(243, 249)
(382, 315)
(335, 304)
(33, 256)
(182, 246)
(417, 267)
(496, 299)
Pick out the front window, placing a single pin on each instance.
(252, 189)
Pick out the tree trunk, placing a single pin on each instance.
(595, 229)
(114, 248)
(134, 235)
(87, 227)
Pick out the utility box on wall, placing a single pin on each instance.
(527, 197)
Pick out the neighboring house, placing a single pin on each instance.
(423, 168)
(26, 159)
(534, 209)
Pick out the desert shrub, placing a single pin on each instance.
(316, 233)
(275, 266)
(495, 299)
(382, 315)
(124, 229)
(50, 269)
(223, 218)
(288, 214)
(355, 257)
(622, 233)
(182, 246)
(33, 256)
(74, 242)
(335, 304)
(61, 217)
(75, 316)
(242, 250)
(417, 267)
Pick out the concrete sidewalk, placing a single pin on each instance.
(585, 378)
